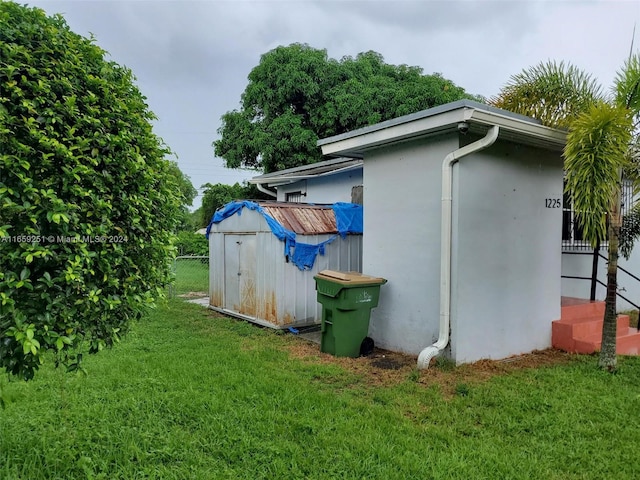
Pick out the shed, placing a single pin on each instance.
(463, 217)
(263, 257)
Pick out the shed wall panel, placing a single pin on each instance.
(283, 294)
(216, 270)
(247, 221)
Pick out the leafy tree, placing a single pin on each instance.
(88, 202)
(218, 195)
(185, 188)
(600, 133)
(187, 193)
(195, 219)
(297, 94)
(191, 243)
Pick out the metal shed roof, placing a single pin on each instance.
(302, 219)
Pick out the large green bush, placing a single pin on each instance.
(87, 200)
(191, 243)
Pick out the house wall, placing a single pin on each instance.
(270, 290)
(506, 252)
(328, 189)
(506, 247)
(402, 240)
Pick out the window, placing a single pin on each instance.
(571, 229)
(295, 197)
(572, 237)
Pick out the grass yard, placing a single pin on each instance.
(191, 277)
(189, 394)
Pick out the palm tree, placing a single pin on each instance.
(600, 133)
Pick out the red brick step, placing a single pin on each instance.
(579, 329)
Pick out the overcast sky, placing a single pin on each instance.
(192, 58)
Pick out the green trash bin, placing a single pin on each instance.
(347, 299)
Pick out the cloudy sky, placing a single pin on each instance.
(192, 58)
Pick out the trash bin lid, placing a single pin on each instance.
(350, 278)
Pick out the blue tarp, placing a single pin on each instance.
(348, 220)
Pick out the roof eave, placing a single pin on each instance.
(355, 145)
(280, 178)
(525, 131)
(327, 166)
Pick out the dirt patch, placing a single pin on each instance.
(386, 363)
(389, 368)
(193, 295)
(379, 368)
(450, 378)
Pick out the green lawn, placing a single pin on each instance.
(188, 394)
(191, 277)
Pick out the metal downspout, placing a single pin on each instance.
(266, 190)
(445, 243)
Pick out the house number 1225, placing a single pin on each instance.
(552, 203)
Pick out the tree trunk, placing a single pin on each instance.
(608, 357)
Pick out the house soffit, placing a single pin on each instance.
(445, 119)
(313, 170)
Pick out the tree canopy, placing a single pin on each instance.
(297, 95)
(218, 195)
(187, 193)
(88, 201)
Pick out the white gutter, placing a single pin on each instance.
(445, 243)
(288, 179)
(266, 190)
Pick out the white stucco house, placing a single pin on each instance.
(463, 217)
(326, 182)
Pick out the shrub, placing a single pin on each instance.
(87, 201)
(190, 243)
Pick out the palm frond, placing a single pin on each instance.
(554, 93)
(632, 167)
(630, 230)
(595, 155)
(627, 85)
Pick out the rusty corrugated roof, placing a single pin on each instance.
(302, 219)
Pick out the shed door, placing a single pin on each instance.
(240, 273)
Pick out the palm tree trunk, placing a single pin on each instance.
(608, 357)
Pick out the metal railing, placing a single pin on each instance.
(594, 275)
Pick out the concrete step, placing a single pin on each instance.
(566, 332)
(585, 327)
(627, 343)
(586, 309)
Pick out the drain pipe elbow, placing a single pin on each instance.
(266, 190)
(428, 353)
